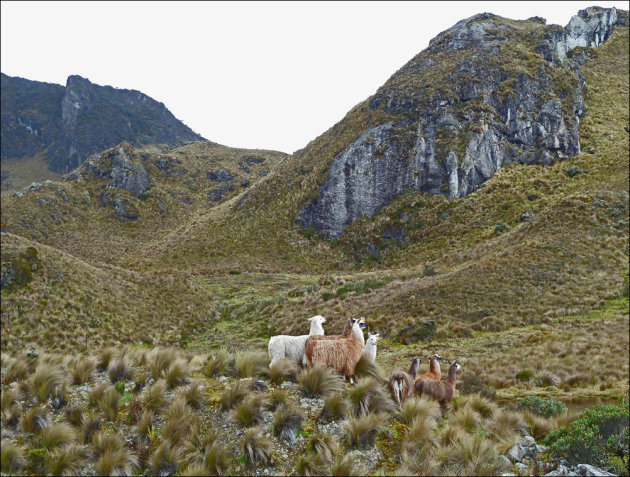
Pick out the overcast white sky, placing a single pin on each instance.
(268, 75)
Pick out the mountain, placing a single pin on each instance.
(65, 125)
(434, 206)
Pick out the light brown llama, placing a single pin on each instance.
(341, 354)
(435, 373)
(442, 391)
(401, 383)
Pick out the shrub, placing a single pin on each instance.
(282, 370)
(543, 407)
(335, 406)
(252, 363)
(319, 381)
(598, 436)
(11, 457)
(257, 447)
(67, 460)
(573, 170)
(474, 385)
(286, 423)
(524, 375)
(360, 432)
(501, 227)
(81, 369)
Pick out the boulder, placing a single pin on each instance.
(590, 471)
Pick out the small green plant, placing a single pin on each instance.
(120, 387)
(543, 407)
(476, 385)
(524, 375)
(599, 436)
(573, 170)
(501, 227)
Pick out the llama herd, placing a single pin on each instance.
(343, 352)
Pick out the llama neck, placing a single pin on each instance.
(347, 330)
(370, 350)
(316, 328)
(451, 374)
(434, 367)
(413, 369)
(358, 332)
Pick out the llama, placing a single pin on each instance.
(352, 325)
(341, 353)
(292, 347)
(442, 391)
(401, 383)
(370, 347)
(435, 373)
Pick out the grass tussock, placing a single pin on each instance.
(323, 445)
(287, 422)
(16, 370)
(67, 460)
(276, 398)
(74, 415)
(368, 396)
(466, 418)
(47, 381)
(336, 406)
(368, 369)
(55, 435)
(251, 363)
(104, 358)
(165, 460)
(257, 447)
(91, 425)
(473, 455)
(176, 372)
(119, 369)
(110, 403)
(81, 369)
(319, 381)
(483, 406)
(35, 420)
(249, 411)
(12, 458)
(347, 465)
(421, 433)
(282, 370)
(180, 419)
(153, 398)
(360, 432)
(311, 464)
(96, 393)
(193, 394)
(160, 361)
(220, 364)
(231, 397)
(419, 407)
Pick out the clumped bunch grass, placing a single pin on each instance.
(10, 414)
(249, 411)
(110, 403)
(419, 407)
(472, 455)
(336, 406)
(231, 397)
(252, 363)
(311, 464)
(112, 457)
(47, 381)
(16, 370)
(55, 435)
(119, 369)
(319, 381)
(485, 407)
(275, 399)
(421, 433)
(35, 420)
(360, 432)
(81, 369)
(466, 418)
(74, 415)
(286, 423)
(145, 423)
(153, 398)
(11, 457)
(91, 425)
(538, 425)
(67, 460)
(257, 447)
(180, 419)
(106, 355)
(347, 465)
(323, 445)
(282, 370)
(176, 372)
(219, 365)
(193, 394)
(96, 393)
(165, 460)
(368, 369)
(367, 396)
(160, 361)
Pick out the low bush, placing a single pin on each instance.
(598, 436)
(543, 407)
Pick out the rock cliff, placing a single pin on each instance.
(67, 125)
(486, 93)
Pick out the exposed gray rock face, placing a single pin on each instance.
(220, 176)
(452, 141)
(128, 175)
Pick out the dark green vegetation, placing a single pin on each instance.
(209, 257)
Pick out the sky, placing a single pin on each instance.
(265, 75)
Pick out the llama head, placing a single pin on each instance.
(373, 338)
(317, 319)
(362, 323)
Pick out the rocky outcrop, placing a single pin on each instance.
(68, 124)
(124, 172)
(487, 93)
